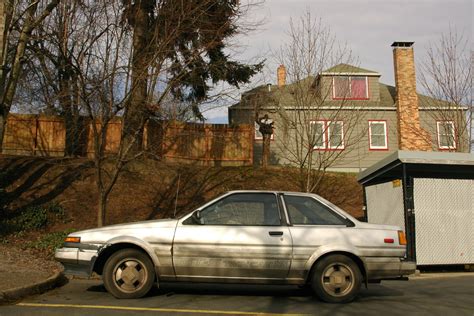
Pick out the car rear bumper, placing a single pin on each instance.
(77, 260)
(388, 268)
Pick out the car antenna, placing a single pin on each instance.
(177, 193)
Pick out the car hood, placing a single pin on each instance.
(160, 223)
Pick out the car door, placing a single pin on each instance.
(239, 237)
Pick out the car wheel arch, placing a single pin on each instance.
(115, 245)
(312, 264)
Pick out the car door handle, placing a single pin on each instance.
(275, 233)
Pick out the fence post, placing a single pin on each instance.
(208, 136)
(35, 139)
(251, 132)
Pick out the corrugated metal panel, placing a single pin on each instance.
(444, 219)
(385, 204)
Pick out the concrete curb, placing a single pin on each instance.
(20, 292)
(439, 275)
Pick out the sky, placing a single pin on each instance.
(368, 27)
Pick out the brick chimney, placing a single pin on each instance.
(281, 76)
(410, 134)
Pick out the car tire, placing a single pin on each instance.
(128, 273)
(336, 279)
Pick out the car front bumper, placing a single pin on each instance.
(77, 259)
(388, 268)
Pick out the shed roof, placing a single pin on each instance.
(421, 163)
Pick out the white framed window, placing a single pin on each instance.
(350, 87)
(378, 139)
(328, 134)
(335, 134)
(258, 135)
(446, 135)
(318, 134)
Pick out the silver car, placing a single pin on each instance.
(262, 237)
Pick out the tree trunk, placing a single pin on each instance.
(73, 126)
(135, 115)
(101, 208)
(3, 124)
(67, 83)
(65, 102)
(8, 87)
(266, 150)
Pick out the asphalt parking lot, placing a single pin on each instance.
(437, 294)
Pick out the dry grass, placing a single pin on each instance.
(146, 190)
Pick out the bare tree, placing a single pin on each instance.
(184, 40)
(102, 71)
(317, 130)
(130, 61)
(446, 77)
(19, 20)
(109, 79)
(50, 84)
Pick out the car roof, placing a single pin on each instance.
(271, 191)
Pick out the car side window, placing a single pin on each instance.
(252, 209)
(304, 210)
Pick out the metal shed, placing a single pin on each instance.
(431, 196)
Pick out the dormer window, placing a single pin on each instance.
(350, 88)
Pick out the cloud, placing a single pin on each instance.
(369, 27)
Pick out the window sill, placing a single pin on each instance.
(351, 99)
(328, 149)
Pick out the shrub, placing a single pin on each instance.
(56, 212)
(50, 241)
(33, 217)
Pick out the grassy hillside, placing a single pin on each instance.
(50, 195)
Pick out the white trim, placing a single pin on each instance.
(461, 108)
(369, 74)
(341, 146)
(358, 107)
(385, 134)
(323, 123)
(453, 135)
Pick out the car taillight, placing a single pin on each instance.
(73, 239)
(402, 240)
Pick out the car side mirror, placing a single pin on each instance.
(197, 217)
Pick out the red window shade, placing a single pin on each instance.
(358, 88)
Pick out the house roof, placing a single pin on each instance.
(387, 97)
(387, 93)
(345, 69)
